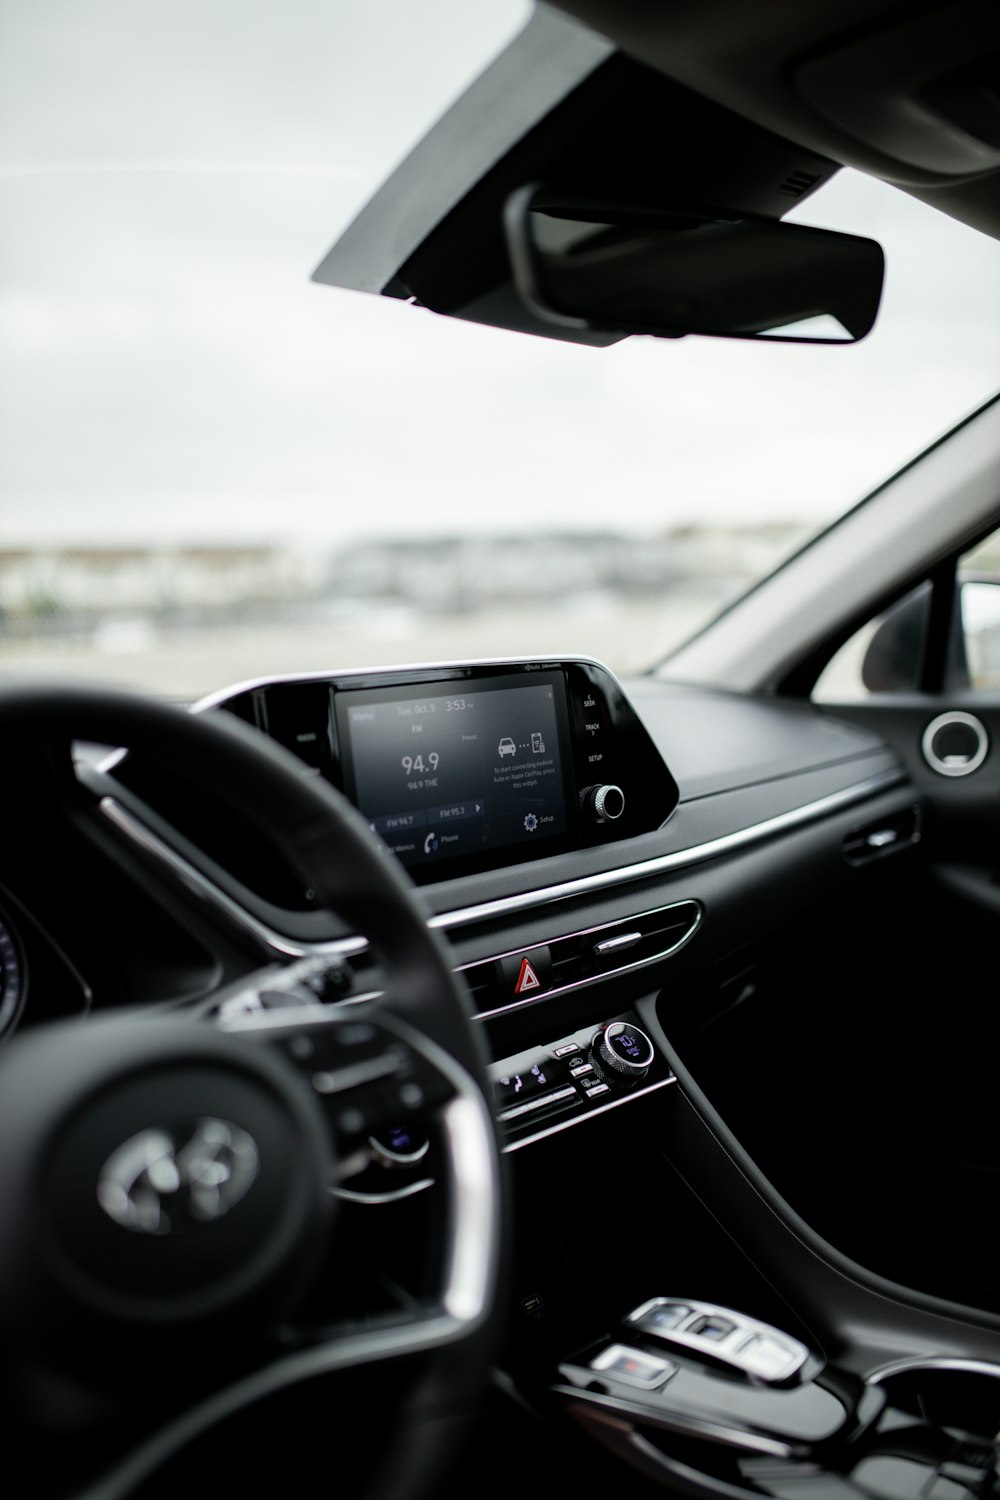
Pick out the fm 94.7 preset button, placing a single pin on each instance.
(624, 1049)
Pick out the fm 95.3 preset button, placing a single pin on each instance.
(624, 1049)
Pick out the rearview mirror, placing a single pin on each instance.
(611, 267)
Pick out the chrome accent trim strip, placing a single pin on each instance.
(679, 860)
(386, 1156)
(661, 1417)
(306, 1014)
(208, 892)
(113, 758)
(589, 1114)
(469, 1143)
(308, 1010)
(530, 1105)
(211, 895)
(935, 1362)
(391, 1197)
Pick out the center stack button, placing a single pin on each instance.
(524, 975)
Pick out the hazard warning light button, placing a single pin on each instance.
(525, 975)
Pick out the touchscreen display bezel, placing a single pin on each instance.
(491, 850)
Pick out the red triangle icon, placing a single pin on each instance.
(527, 979)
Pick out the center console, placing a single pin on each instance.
(546, 1089)
(711, 1402)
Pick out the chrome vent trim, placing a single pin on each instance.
(626, 924)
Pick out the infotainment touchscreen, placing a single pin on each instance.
(451, 773)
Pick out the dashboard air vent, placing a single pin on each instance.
(884, 836)
(526, 976)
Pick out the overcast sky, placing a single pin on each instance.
(171, 174)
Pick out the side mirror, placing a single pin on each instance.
(612, 267)
(894, 654)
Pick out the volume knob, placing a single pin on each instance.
(604, 803)
(625, 1049)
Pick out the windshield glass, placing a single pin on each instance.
(214, 469)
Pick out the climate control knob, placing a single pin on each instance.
(623, 1049)
(604, 803)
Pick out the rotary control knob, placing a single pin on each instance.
(604, 803)
(623, 1049)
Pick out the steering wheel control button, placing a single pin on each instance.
(720, 1336)
(955, 743)
(399, 1146)
(633, 1366)
(309, 982)
(355, 1073)
(328, 981)
(625, 1049)
(351, 1121)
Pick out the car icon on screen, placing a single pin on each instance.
(507, 746)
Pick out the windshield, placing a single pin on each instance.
(214, 469)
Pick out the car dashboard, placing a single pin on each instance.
(583, 847)
(594, 855)
(618, 872)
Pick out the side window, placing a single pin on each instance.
(979, 595)
(889, 653)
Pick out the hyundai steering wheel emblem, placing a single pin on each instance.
(164, 1180)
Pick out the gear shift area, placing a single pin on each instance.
(714, 1403)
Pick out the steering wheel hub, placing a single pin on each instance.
(152, 1186)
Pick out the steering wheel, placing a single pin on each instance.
(168, 1226)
